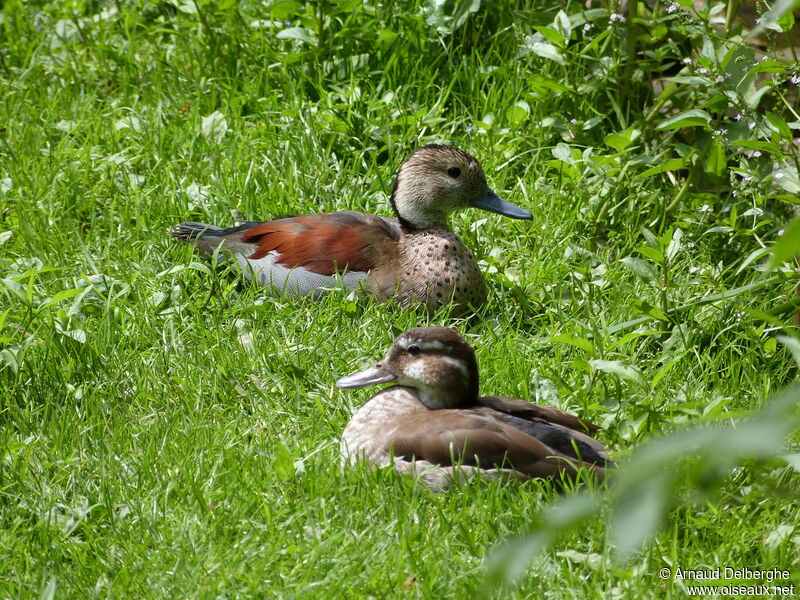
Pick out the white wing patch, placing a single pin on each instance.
(296, 281)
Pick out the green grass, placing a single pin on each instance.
(169, 430)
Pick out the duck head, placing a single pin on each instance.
(435, 361)
(435, 180)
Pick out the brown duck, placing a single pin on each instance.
(412, 258)
(433, 424)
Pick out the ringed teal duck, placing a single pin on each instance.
(414, 257)
(434, 426)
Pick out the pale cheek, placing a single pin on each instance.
(415, 372)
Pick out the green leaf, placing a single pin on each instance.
(674, 245)
(517, 113)
(770, 20)
(581, 343)
(752, 257)
(620, 369)
(386, 38)
(787, 246)
(690, 118)
(673, 164)
(753, 96)
(547, 51)
(62, 295)
(297, 33)
(787, 179)
(648, 309)
(640, 267)
(551, 35)
(563, 152)
(4, 237)
(16, 288)
(776, 123)
(652, 254)
(539, 84)
(650, 238)
(769, 66)
(283, 464)
(463, 11)
(621, 140)
(716, 161)
(283, 9)
(563, 24)
(756, 145)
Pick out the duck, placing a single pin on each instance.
(411, 258)
(433, 425)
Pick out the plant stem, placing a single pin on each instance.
(730, 15)
(680, 195)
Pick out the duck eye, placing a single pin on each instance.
(413, 350)
(454, 172)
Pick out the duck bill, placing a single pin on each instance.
(490, 201)
(371, 376)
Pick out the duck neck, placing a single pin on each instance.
(459, 391)
(413, 211)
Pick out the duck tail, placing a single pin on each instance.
(191, 232)
(207, 238)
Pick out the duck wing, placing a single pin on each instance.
(474, 438)
(526, 410)
(304, 253)
(558, 429)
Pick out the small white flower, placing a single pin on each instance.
(738, 117)
(705, 208)
(616, 17)
(693, 270)
(751, 125)
(795, 79)
(587, 26)
(735, 195)
(687, 60)
(728, 207)
(702, 70)
(780, 232)
(574, 121)
(470, 128)
(756, 154)
(776, 166)
(720, 79)
(690, 245)
(747, 178)
(778, 175)
(672, 7)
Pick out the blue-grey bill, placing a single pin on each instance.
(371, 376)
(490, 201)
